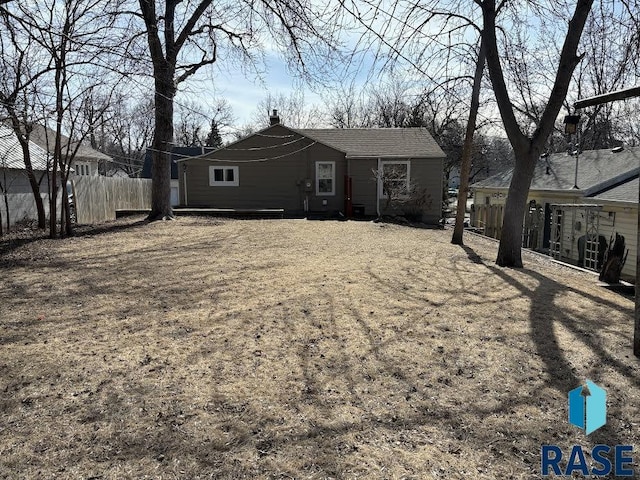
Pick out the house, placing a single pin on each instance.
(319, 171)
(576, 204)
(13, 176)
(86, 160)
(176, 154)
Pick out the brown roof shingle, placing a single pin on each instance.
(378, 142)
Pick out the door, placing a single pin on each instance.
(174, 196)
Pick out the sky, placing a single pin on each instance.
(245, 90)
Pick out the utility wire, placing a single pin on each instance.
(253, 160)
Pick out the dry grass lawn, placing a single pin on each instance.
(298, 349)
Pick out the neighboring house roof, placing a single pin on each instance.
(11, 153)
(45, 138)
(177, 153)
(378, 142)
(597, 170)
(623, 192)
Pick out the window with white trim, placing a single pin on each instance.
(325, 178)
(82, 169)
(224, 176)
(395, 176)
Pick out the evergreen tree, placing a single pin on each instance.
(213, 138)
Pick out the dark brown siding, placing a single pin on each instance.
(274, 166)
(364, 183)
(273, 169)
(425, 173)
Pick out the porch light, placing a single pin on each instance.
(571, 124)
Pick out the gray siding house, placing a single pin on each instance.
(305, 171)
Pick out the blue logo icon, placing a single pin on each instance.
(588, 407)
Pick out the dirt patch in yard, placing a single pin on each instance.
(296, 349)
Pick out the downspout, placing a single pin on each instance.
(378, 187)
(184, 180)
(348, 207)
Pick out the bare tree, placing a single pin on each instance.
(527, 148)
(126, 133)
(21, 69)
(184, 37)
(393, 180)
(465, 168)
(195, 121)
(77, 38)
(190, 127)
(238, 133)
(612, 44)
(292, 110)
(346, 108)
(401, 196)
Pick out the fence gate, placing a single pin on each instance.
(533, 221)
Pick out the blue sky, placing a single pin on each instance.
(244, 91)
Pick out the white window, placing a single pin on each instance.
(82, 169)
(395, 177)
(222, 176)
(325, 178)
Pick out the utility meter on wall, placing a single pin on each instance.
(308, 184)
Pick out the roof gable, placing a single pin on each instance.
(272, 143)
(177, 154)
(353, 142)
(597, 170)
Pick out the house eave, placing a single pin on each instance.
(212, 153)
(611, 182)
(625, 203)
(409, 157)
(574, 192)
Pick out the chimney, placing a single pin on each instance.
(274, 119)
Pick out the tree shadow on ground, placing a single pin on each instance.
(115, 227)
(560, 374)
(12, 242)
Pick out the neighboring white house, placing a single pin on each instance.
(602, 201)
(86, 160)
(14, 182)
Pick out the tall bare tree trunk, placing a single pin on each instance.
(23, 140)
(636, 330)
(527, 149)
(162, 142)
(35, 188)
(510, 249)
(465, 168)
(33, 182)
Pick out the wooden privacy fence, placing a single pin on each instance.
(488, 218)
(98, 198)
